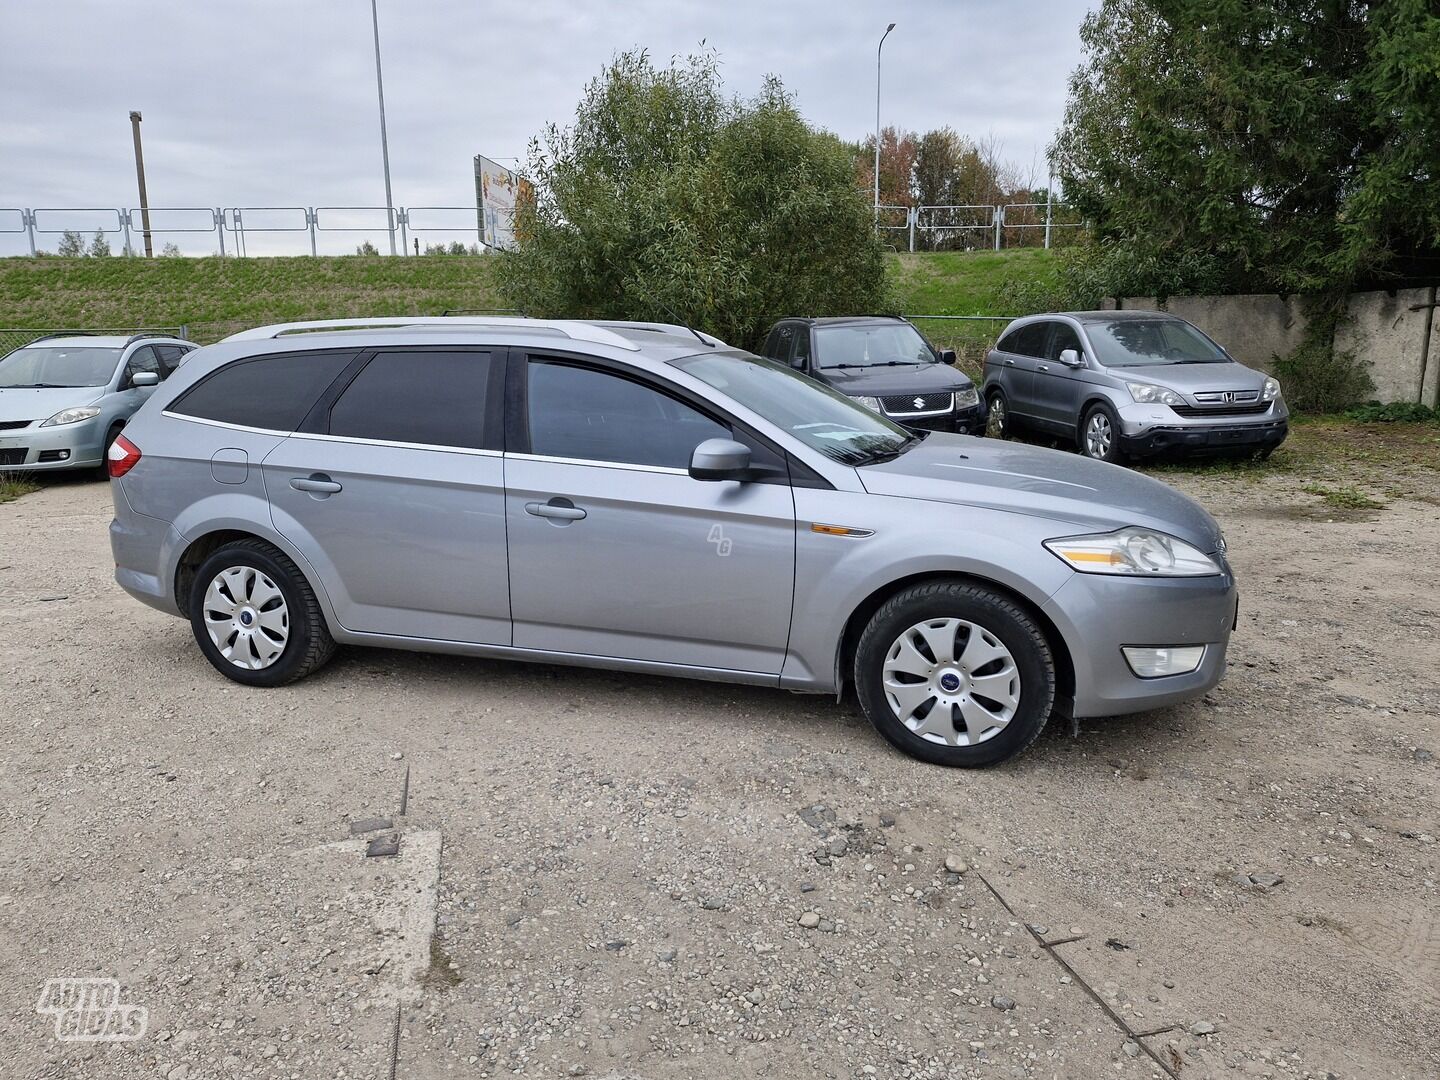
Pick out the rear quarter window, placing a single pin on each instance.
(271, 392)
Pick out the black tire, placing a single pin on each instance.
(309, 645)
(1113, 453)
(997, 615)
(998, 422)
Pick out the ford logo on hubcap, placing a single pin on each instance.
(949, 682)
(246, 618)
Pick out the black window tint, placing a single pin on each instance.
(142, 359)
(579, 412)
(1030, 340)
(781, 342)
(802, 346)
(427, 396)
(170, 356)
(1007, 341)
(273, 392)
(1063, 338)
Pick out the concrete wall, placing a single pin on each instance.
(1397, 335)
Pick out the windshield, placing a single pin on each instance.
(40, 365)
(858, 345)
(821, 418)
(1143, 342)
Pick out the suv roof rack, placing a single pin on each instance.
(661, 328)
(132, 337)
(571, 328)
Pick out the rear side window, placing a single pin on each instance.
(430, 397)
(1026, 341)
(272, 392)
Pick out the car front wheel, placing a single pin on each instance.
(998, 420)
(955, 673)
(1100, 434)
(256, 618)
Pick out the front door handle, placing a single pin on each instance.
(1042, 367)
(318, 482)
(559, 509)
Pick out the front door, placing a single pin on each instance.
(398, 498)
(615, 551)
(1058, 388)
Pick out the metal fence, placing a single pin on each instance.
(231, 231)
(974, 226)
(12, 338)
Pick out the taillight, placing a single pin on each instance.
(122, 456)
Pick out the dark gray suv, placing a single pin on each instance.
(1129, 384)
(885, 364)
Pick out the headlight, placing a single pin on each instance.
(1271, 391)
(71, 416)
(871, 403)
(1146, 394)
(1135, 552)
(967, 399)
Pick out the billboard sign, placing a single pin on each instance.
(498, 191)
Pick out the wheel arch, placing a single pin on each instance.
(860, 618)
(205, 545)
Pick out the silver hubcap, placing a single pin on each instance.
(1097, 435)
(951, 682)
(997, 415)
(246, 615)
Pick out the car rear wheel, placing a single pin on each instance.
(255, 616)
(1100, 434)
(955, 673)
(997, 424)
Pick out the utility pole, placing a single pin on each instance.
(877, 118)
(140, 176)
(384, 142)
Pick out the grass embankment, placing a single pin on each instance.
(215, 297)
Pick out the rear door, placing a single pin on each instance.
(1017, 355)
(614, 550)
(1058, 389)
(394, 491)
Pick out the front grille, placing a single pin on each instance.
(1222, 411)
(1227, 397)
(917, 404)
(15, 456)
(11, 425)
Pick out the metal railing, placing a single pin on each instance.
(982, 220)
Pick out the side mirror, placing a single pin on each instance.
(1070, 358)
(720, 459)
(144, 378)
(947, 356)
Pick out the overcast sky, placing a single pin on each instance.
(272, 102)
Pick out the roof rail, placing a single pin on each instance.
(149, 334)
(571, 328)
(661, 328)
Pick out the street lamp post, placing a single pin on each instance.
(877, 118)
(384, 142)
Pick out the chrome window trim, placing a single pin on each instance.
(222, 424)
(474, 451)
(661, 469)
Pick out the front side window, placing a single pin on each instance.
(861, 345)
(142, 359)
(782, 340)
(592, 415)
(1142, 342)
(1064, 338)
(49, 366)
(170, 357)
(823, 419)
(429, 397)
(270, 392)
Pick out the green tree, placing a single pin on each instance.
(365, 247)
(667, 200)
(1290, 145)
(72, 245)
(99, 246)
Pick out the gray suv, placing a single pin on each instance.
(1129, 384)
(644, 498)
(64, 398)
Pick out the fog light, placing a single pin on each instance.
(1153, 662)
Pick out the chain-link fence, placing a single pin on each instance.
(12, 338)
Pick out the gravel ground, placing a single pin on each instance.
(636, 877)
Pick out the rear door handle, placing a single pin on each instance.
(561, 509)
(319, 482)
(1008, 362)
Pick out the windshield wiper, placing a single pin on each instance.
(877, 456)
(877, 363)
(38, 386)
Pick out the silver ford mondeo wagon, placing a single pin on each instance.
(643, 497)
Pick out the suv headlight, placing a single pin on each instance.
(871, 403)
(1272, 389)
(1149, 394)
(1135, 552)
(71, 416)
(967, 399)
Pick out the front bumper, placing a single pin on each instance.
(1099, 614)
(1211, 437)
(966, 421)
(42, 449)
